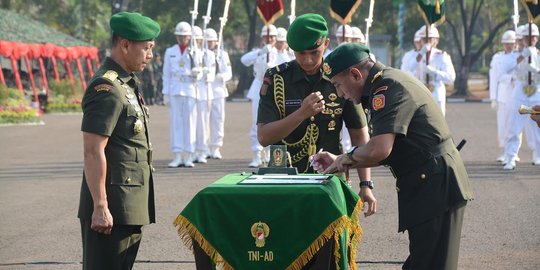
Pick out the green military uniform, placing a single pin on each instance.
(432, 183)
(113, 107)
(284, 88)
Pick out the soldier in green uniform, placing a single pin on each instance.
(408, 134)
(117, 194)
(301, 109)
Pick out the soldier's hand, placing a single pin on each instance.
(527, 51)
(102, 220)
(195, 72)
(367, 196)
(321, 161)
(312, 104)
(265, 49)
(431, 70)
(426, 48)
(532, 68)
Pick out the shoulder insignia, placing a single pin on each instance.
(380, 89)
(378, 102)
(377, 75)
(103, 87)
(110, 75)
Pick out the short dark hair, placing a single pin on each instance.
(115, 39)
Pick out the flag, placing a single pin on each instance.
(432, 11)
(342, 10)
(533, 9)
(269, 10)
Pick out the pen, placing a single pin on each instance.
(311, 161)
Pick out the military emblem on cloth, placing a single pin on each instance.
(103, 87)
(259, 231)
(111, 75)
(326, 69)
(378, 102)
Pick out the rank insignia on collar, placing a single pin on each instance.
(326, 69)
(103, 87)
(259, 231)
(377, 102)
(111, 75)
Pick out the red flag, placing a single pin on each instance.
(269, 10)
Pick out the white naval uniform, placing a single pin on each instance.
(207, 59)
(260, 64)
(408, 62)
(500, 89)
(179, 86)
(518, 122)
(219, 93)
(446, 74)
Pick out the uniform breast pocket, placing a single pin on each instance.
(134, 125)
(128, 173)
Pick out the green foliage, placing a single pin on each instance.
(14, 107)
(65, 96)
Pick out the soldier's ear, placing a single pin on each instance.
(356, 74)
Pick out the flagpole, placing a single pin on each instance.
(369, 20)
(515, 17)
(293, 12)
(223, 21)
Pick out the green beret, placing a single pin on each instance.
(343, 57)
(134, 26)
(307, 32)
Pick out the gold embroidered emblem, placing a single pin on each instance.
(260, 231)
(338, 111)
(332, 125)
(327, 70)
(278, 157)
(138, 126)
(103, 87)
(182, 63)
(332, 97)
(529, 90)
(377, 75)
(110, 75)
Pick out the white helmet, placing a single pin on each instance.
(197, 31)
(419, 35)
(281, 34)
(348, 31)
(182, 29)
(211, 34)
(525, 30)
(357, 33)
(433, 32)
(270, 30)
(509, 37)
(519, 29)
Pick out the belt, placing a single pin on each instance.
(438, 150)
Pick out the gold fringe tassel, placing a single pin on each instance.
(355, 231)
(335, 228)
(187, 231)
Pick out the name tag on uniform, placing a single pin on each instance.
(293, 102)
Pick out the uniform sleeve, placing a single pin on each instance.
(353, 115)
(225, 68)
(250, 58)
(101, 108)
(447, 72)
(268, 111)
(493, 78)
(392, 110)
(166, 75)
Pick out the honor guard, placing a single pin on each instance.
(526, 92)
(500, 85)
(434, 67)
(180, 72)
(261, 59)
(284, 53)
(223, 74)
(408, 61)
(117, 191)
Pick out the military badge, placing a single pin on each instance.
(103, 87)
(181, 63)
(319, 41)
(380, 89)
(332, 97)
(111, 75)
(332, 125)
(377, 75)
(529, 90)
(378, 102)
(327, 70)
(278, 157)
(138, 126)
(260, 231)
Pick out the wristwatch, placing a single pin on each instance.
(366, 183)
(350, 154)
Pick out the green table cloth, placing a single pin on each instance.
(272, 226)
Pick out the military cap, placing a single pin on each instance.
(343, 57)
(134, 26)
(307, 32)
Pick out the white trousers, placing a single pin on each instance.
(183, 120)
(255, 145)
(518, 123)
(217, 122)
(503, 109)
(203, 118)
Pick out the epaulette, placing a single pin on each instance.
(110, 75)
(377, 76)
(279, 68)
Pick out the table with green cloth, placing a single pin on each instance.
(272, 226)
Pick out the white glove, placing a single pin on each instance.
(426, 48)
(532, 68)
(205, 70)
(431, 70)
(494, 104)
(527, 51)
(265, 49)
(219, 77)
(195, 72)
(166, 99)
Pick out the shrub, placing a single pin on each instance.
(14, 107)
(65, 96)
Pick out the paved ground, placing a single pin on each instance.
(40, 175)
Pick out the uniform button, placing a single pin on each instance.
(423, 176)
(397, 189)
(312, 118)
(128, 180)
